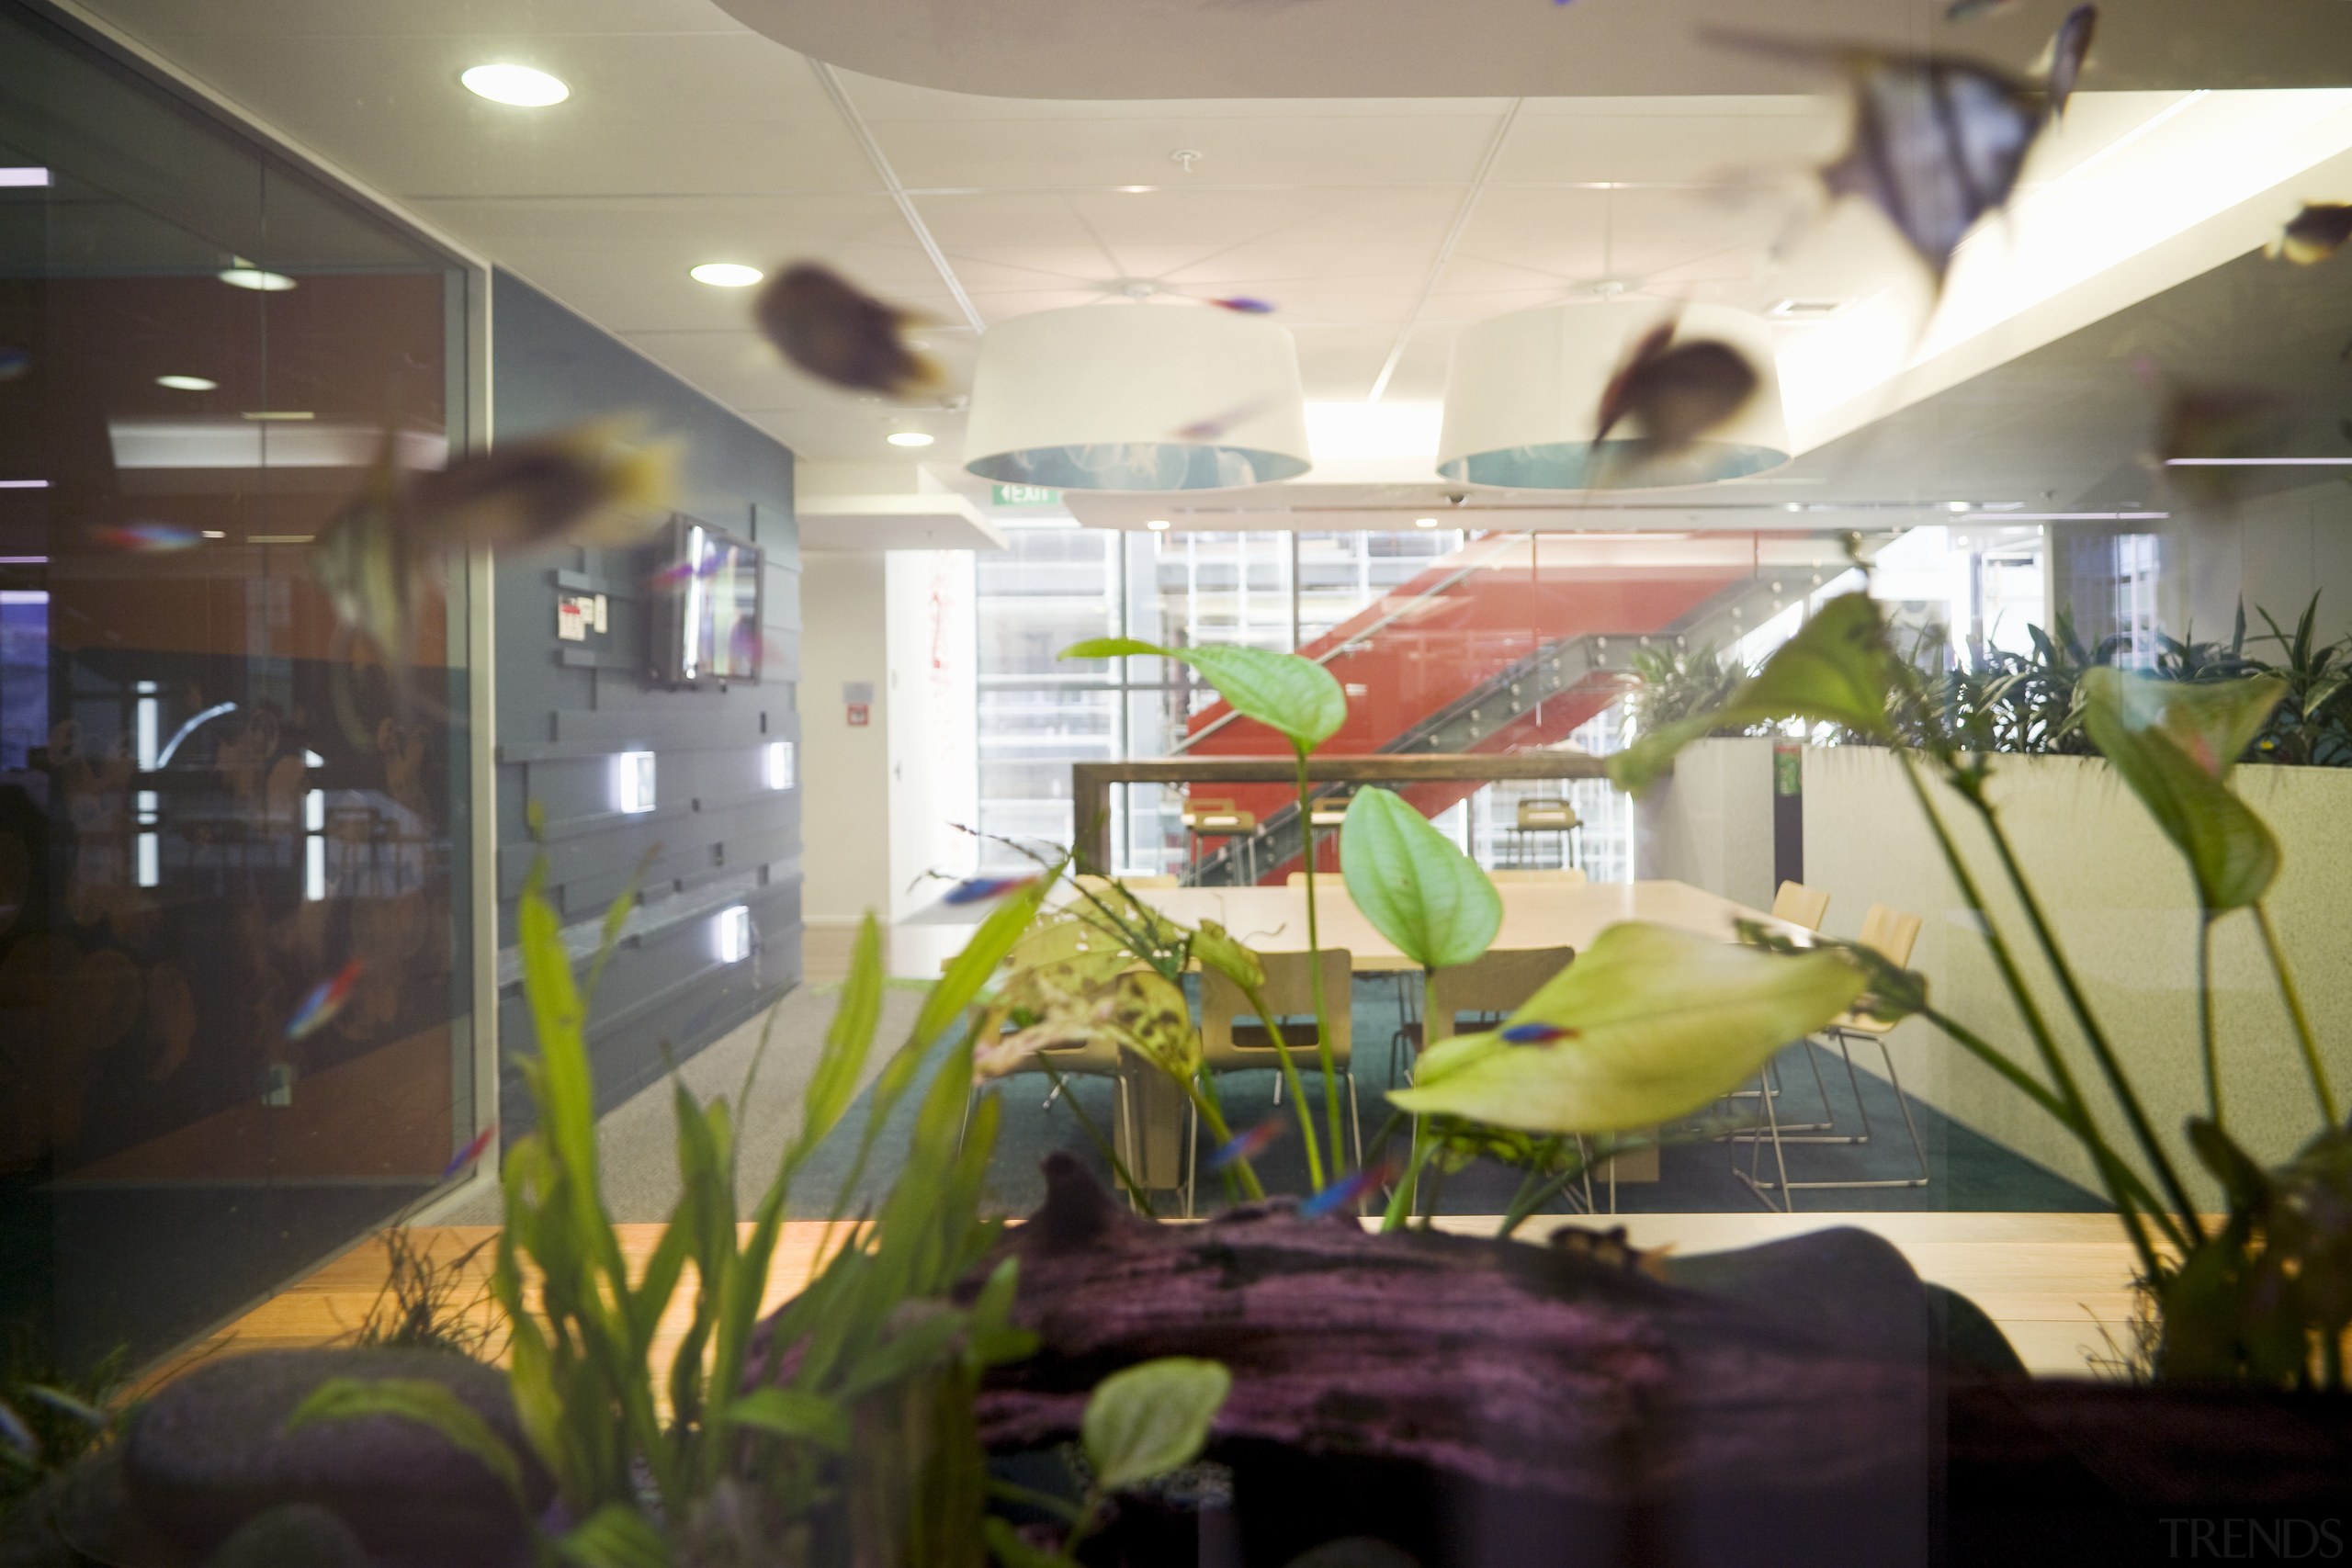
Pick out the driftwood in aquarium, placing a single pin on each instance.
(1440, 1378)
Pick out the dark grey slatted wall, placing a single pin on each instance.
(719, 835)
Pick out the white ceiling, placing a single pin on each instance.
(1378, 227)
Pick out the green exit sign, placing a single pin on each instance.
(1026, 495)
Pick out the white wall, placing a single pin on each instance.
(2121, 904)
(934, 723)
(1710, 824)
(845, 769)
(2275, 553)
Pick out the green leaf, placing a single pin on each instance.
(417, 1400)
(2174, 744)
(1420, 892)
(1152, 1418)
(1012, 1551)
(968, 973)
(616, 1536)
(794, 1413)
(1216, 948)
(1658, 1022)
(1836, 669)
(2241, 1178)
(926, 1343)
(1296, 698)
(1147, 1014)
(833, 1085)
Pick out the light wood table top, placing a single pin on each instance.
(1535, 914)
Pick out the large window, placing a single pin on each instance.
(214, 801)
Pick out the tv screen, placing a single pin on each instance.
(707, 627)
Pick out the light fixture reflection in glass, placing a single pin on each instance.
(521, 86)
(1424, 522)
(151, 869)
(780, 765)
(1158, 525)
(314, 844)
(909, 438)
(146, 721)
(633, 782)
(187, 383)
(726, 274)
(23, 177)
(260, 279)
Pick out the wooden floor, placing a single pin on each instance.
(2052, 1281)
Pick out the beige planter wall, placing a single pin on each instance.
(1710, 822)
(2121, 905)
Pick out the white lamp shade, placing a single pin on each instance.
(1137, 398)
(1522, 401)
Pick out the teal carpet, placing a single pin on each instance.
(1966, 1170)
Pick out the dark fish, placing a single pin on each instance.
(18, 1435)
(1968, 10)
(1216, 425)
(1244, 305)
(146, 538)
(1537, 1033)
(1344, 1192)
(14, 361)
(1677, 393)
(984, 890)
(2068, 47)
(2201, 429)
(589, 485)
(2315, 233)
(838, 334)
(1938, 142)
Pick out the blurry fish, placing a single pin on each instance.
(840, 334)
(1677, 393)
(1537, 1033)
(1246, 306)
(1215, 427)
(318, 1009)
(1938, 142)
(2315, 233)
(1968, 10)
(14, 361)
(2198, 428)
(592, 484)
(470, 1153)
(2068, 47)
(1611, 1249)
(1345, 1192)
(686, 572)
(69, 1406)
(1246, 1145)
(16, 1434)
(969, 900)
(146, 538)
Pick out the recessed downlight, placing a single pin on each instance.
(909, 438)
(259, 279)
(187, 383)
(1158, 525)
(726, 274)
(520, 85)
(1424, 522)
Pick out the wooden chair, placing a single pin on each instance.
(1799, 906)
(1219, 818)
(1564, 875)
(1546, 814)
(1805, 907)
(1892, 934)
(1227, 1046)
(1328, 810)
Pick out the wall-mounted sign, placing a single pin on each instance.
(1023, 495)
(857, 701)
(577, 614)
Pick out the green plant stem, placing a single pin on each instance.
(2212, 1058)
(1534, 1193)
(1297, 1086)
(2294, 1001)
(1213, 1117)
(2068, 1092)
(1110, 1150)
(2118, 1083)
(1400, 1202)
(1080, 1528)
(1314, 974)
(1029, 1498)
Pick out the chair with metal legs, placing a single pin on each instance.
(1891, 934)
(1227, 1046)
(1546, 814)
(1797, 905)
(1205, 819)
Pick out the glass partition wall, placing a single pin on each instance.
(213, 801)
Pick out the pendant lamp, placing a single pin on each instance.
(1137, 398)
(1522, 400)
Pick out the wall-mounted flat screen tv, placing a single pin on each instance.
(705, 620)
